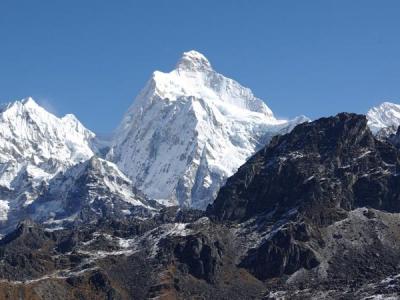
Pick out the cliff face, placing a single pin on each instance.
(323, 169)
(318, 199)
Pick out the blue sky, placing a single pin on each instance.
(91, 58)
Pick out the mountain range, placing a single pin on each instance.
(203, 190)
(185, 134)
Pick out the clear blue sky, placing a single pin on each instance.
(303, 57)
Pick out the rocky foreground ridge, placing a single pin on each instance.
(313, 215)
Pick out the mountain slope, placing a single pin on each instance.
(188, 130)
(34, 146)
(384, 119)
(48, 171)
(321, 203)
(319, 157)
(87, 191)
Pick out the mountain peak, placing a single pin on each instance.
(192, 61)
(29, 101)
(23, 104)
(196, 128)
(194, 77)
(385, 115)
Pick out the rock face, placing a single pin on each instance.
(321, 169)
(317, 179)
(190, 129)
(283, 254)
(394, 138)
(201, 257)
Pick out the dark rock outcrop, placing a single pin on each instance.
(282, 254)
(323, 168)
(200, 255)
(306, 181)
(394, 139)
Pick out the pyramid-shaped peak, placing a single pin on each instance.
(193, 60)
(29, 101)
(26, 104)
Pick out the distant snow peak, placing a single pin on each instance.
(20, 105)
(92, 189)
(29, 101)
(384, 118)
(190, 129)
(35, 145)
(194, 77)
(29, 127)
(193, 61)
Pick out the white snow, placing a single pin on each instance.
(106, 182)
(296, 155)
(308, 179)
(190, 129)
(384, 116)
(364, 154)
(28, 131)
(35, 145)
(41, 153)
(381, 297)
(121, 186)
(4, 208)
(179, 229)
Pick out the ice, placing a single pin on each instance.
(4, 208)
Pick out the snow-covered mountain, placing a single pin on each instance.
(89, 190)
(50, 160)
(384, 119)
(190, 129)
(34, 146)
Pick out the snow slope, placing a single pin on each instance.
(34, 146)
(49, 171)
(384, 119)
(92, 189)
(190, 129)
